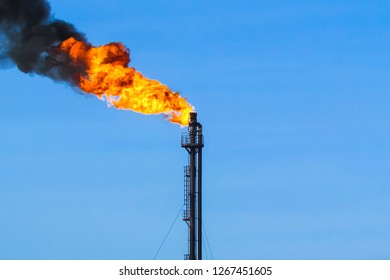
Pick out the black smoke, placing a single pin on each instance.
(29, 35)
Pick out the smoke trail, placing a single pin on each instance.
(28, 33)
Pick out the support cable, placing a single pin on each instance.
(205, 250)
(165, 238)
(207, 241)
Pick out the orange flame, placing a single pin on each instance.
(108, 76)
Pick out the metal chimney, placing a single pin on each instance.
(192, 214)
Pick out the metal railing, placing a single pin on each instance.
(186, 140)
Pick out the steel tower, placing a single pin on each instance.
(192, 214)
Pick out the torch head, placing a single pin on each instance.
(192, 118)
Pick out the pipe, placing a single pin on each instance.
(192, 134)
(200, 140)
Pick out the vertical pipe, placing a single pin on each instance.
(200, 141)
(192, 132)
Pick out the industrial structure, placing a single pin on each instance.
(192, 213)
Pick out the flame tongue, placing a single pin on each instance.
(107, 75)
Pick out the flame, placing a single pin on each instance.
(107, 75)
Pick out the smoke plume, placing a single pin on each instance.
(28, 35)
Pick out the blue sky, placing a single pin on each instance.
(294, 102)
